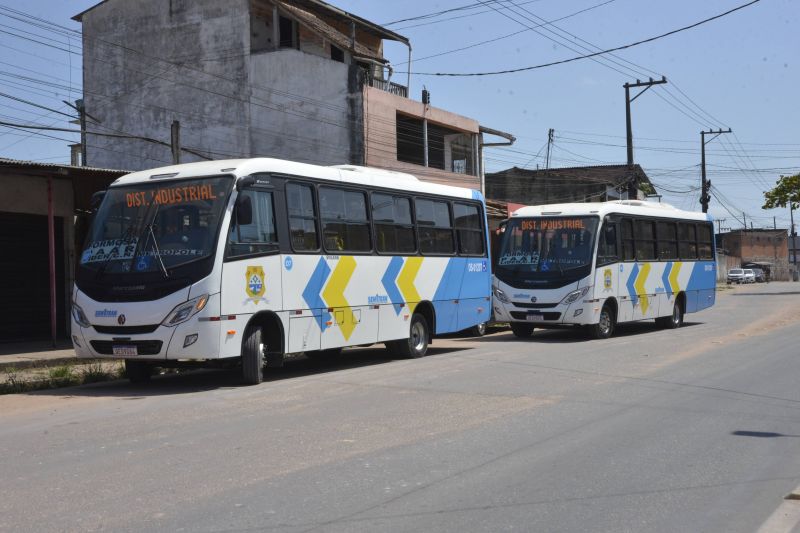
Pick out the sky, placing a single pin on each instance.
(740, 71)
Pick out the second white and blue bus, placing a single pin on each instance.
(597, 265)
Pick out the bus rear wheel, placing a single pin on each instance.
(252, 356)
(417, 343)
(675, 320)
(605, 324)
(521, 330)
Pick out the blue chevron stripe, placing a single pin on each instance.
(631, 281)
(665, 279)
(389, 284)
(311, 294)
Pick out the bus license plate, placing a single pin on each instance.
(535, 318)
(125, 350)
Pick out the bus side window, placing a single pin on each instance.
(468, 229)
(687, 241)
(628, 249)
(607, 251)
(302, 217)
(394, 228)
(667, 241)
(345, 226)
(435, 227)
(704, 247)
(253, 232)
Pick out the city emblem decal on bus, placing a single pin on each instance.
(607, 279)
(255, 282)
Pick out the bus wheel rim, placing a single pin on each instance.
(605, 322)
(417, 337)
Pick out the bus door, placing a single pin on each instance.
(251, 272)
(606, 281)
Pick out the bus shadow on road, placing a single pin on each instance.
(569, 335)
(206, 379)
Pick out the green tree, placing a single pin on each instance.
(786, 192)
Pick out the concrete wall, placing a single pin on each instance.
(305, 108)
(142, 93)
(285, 103)
(510, 186)
(380, 133)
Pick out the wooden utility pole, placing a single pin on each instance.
(628, 100)
(549, 146)
(175, 143)
(705, 185)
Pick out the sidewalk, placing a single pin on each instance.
(39, 354)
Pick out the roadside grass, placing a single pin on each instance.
(16, 380)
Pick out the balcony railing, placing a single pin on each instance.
(389, 87)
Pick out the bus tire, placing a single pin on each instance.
(138, 371)
(416, 345)
(521, 330)
(252, 356)
(675, 320)
(605, 324)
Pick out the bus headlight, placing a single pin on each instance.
(575, 295)
(501, 296)
(80, 316)
(185, 311)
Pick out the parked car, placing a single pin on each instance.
(761, 277)
(749, 275)
(736, 275)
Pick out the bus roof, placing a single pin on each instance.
(601, 209)
(351, 174)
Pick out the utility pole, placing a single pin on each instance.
(793, 235)
(175, 142)
(705, 185)
(628, 100)
(719, 224)
(744, 220)
(549, 145)
(82, 114)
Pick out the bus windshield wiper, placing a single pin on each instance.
(150, 233)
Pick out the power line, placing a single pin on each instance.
(586, 56)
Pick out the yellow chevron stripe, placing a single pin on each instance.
(639, 285)
(334, 294)
(405, 281)
(673, 277)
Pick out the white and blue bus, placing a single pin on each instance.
(601, 264)
(254, 260)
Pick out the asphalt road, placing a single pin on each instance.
(653, 430)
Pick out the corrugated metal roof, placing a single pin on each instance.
(327, 31)
(4, 161)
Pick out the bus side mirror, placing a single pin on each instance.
(244, 211)
(611, 236)
(95, 201)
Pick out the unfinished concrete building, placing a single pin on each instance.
(292, 79)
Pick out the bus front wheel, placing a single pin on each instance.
(138, 371)
(417, 343)
(521, 330)
(605, 325)
(252, 356)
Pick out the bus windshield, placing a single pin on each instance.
(150, 227)
(546, 248)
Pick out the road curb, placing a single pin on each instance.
(25, 364)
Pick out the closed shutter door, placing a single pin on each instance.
(25, 277)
